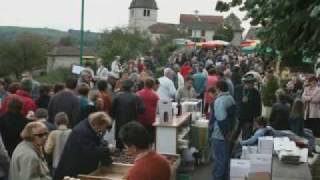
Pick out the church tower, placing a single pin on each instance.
(142, 14)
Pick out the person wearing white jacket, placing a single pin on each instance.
(102, 72)
(116, 67)
(166, 88)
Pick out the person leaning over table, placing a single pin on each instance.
(28, 162)
(148, 164)
(85, 150)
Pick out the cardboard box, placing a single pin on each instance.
(265, 145)
(247, 150)
(192, 105)
(259, 176)
(239, 168)
(165, 107)
(260, 163)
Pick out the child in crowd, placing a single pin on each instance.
(58, 138)
(41, 115)
(260, 124)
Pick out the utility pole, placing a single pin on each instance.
(82, 33)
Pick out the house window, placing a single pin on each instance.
(203, 33)
(132, 13)
(146, 12)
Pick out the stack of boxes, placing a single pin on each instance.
(239, 169)
(256, 161)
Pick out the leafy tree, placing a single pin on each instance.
(224, 33)
(120, 41)
(287, 25)
(164, 45)
(28, 51)
(66, 41)
(269, 91)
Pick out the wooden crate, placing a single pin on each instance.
(114, 172)
(118, 171)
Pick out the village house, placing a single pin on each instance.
(66, 56)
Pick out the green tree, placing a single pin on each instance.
(287, 25)
(66, 41)
(27, 52)
(269, 91)
(165, 46)
(224, 33)
(120, 41)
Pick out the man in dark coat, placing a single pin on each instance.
(249, 105)
(126, 107)
(66, 101)
(85, 150)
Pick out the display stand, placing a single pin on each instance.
(168, 133)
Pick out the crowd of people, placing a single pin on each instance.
(54, 131)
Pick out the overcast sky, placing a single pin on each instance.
(99, 14)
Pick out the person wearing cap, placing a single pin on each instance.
(126, 107)
(249, 105)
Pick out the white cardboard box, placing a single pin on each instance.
(265, 145)
(239, 168)
(247, 150)
(260, 163)
(165, 106)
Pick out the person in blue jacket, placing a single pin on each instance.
(260, 124)
(222, 122)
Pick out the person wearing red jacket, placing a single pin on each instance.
(185, 70)
(150, 100)
(25, 94)
(148, 164)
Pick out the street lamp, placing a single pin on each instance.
(82, 33)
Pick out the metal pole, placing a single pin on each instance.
(82, 33)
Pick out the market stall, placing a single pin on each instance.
(276, 158)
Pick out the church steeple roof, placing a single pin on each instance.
(148, 4)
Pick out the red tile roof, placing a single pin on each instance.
(191, 18)
(162, 28)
